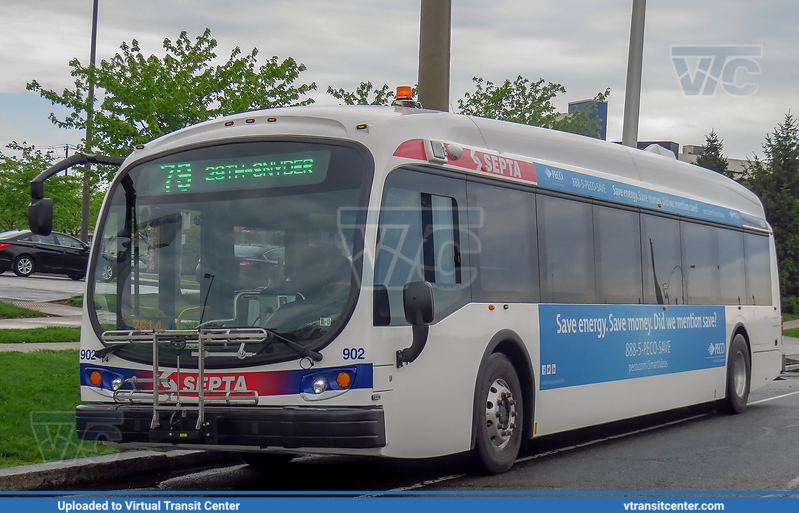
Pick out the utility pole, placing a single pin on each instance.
(434, 50)
(84, 222)
(635, 59)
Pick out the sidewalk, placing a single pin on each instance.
(57, 315)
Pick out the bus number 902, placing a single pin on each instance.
(355, 353)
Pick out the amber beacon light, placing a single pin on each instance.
(404, 93)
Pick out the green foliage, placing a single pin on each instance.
(11, 311)
(711, 157)
(143, 97)
(361, 95)
(16, 172)
(530, 103)
(776, 181)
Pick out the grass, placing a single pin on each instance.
(9, 311)
(791, 332)
(47, 334)
(789, 317)
(38, 395)
(76, 301)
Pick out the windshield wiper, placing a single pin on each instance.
(275, 336)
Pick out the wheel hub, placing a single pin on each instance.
(500, 413)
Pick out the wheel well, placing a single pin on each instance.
(521, 363)
(740, 329)
(509, 343)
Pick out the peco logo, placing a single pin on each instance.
(553, 174)
(700, 68)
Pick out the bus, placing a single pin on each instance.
(399, 282)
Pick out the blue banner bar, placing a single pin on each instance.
(556, 178)
(433, 504)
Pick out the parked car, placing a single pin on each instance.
(259, 265)
(25, 253)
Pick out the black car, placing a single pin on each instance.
(25, 253)
(259, 264)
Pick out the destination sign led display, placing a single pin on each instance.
(259, 172)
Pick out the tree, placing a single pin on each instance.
(776, 181)
(145, 97)
(711, 157)
(15, 193)
(382, 96)
(523, 101)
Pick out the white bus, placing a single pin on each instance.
(397, 282)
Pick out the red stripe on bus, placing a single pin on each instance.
(413, 149)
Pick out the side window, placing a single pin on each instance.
(43, 239)
(566, 251)
(701, 264)
(731, 267)
(505, 252)
(618, 239)
(758, 270)
(69, 242)
(661, 258)
(421, 237)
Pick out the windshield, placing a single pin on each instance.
(235, 235)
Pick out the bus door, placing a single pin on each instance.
(422, 237)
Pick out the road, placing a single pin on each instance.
(686, 450)
(38, 287)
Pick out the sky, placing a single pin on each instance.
(580, 44)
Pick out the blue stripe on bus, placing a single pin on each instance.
(585, 344)
(570, 181)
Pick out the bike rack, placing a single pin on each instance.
(178, 340)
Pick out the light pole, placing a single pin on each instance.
(635, 59)
(84, 222)
(434, 49)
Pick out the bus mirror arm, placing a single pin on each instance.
(417, 300)
(40, 209)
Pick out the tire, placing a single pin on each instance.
(24, 266)
(498, 416)
(739, 374)
(107, 272)
(76, 277)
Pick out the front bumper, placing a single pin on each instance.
(290, 427)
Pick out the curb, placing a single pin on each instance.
(103, 469)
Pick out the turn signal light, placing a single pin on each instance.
(95, 378)
(344, 380)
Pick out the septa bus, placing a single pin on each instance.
(392, 281)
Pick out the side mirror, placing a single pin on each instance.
(40, 216)
(417, 299)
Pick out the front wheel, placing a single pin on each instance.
(498, 417)
(739, 372)
(24, 266)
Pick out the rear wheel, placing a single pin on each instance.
(739, 373)
(498, 417)
(24, 266)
